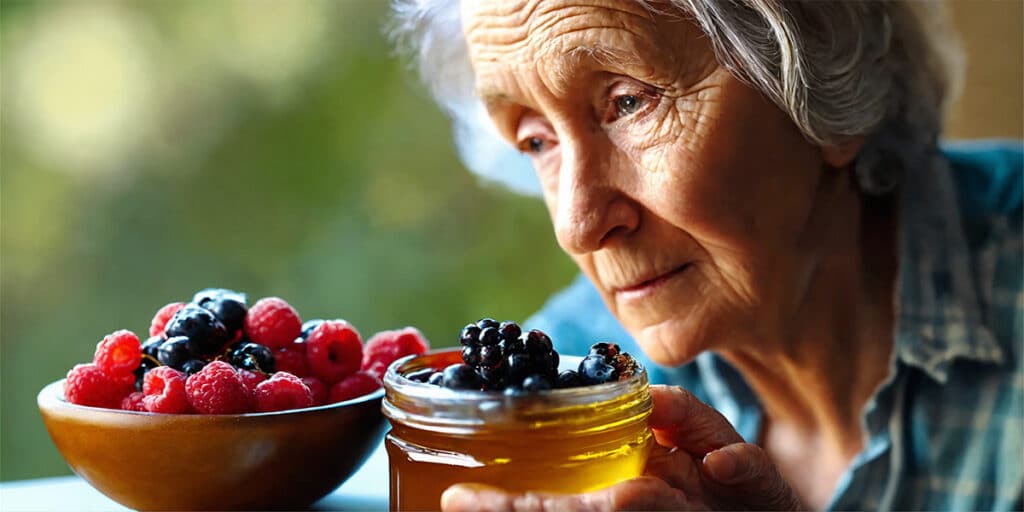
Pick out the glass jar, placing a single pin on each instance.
(565, 440)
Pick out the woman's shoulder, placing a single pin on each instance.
(990, 177)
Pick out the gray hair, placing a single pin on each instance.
(883, 69)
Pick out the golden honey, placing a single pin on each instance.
(566, 440)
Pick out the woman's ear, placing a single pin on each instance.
(842, 153)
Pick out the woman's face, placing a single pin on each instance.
(683, 194)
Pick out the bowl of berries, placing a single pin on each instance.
(225, 406)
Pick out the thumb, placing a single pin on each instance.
(744, 474)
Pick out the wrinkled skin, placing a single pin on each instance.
(696, 207)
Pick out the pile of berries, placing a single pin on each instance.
(216, 355)
(501, 357)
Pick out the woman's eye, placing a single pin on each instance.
(627, 104)
(532, 145)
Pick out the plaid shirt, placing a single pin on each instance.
(946, 430)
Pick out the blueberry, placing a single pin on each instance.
(421, 375)
(152, 345)
(253, 356)
(308, 327)
(192, 366)
(460, 376)
(471, 355)
(213, 293)
(175, 352)
(470, 335)
(228, 306)
(569, 379)
(536, 383)
(208, 334)
(140, 372)
(489, 336)
(509, 330)
(484, 323)
(593, 370)
(435, 378)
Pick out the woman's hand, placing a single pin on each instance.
(699, 463)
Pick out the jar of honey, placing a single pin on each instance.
(567, 440)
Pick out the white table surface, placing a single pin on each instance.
(367, 489)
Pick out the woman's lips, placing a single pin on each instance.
(648, 286)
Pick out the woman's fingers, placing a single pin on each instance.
(681, 420)
(743, 473)
(645, 493)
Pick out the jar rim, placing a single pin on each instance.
(414, 402)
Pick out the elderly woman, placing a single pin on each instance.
(754, 191)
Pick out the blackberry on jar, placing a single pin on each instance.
(470, 335)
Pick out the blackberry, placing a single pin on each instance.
(253, 356)
(192, 366)
(175, 352)
(509, 330)
(460, 376)
(435, 378)
(605, 350)
(493, 379)
(207, 333)
(490, 356)
(471, 355)
(309, 327)
(470, 335)
(228, 306)
(484, 323)
(489, 336)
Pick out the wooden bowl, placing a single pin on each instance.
(274, 460)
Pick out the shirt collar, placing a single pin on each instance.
(940, 316)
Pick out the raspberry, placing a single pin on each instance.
(282, 392)
(87, 384)
(317, 388)
(355, 385)
(387, 346)
(133, 402)
(292, 361)
(156, 327)
(251, 379)
(164, 390)
(119, 353)
(218, 389)
(273, 323)
(334, 351)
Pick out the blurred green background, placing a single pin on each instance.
(152, 148)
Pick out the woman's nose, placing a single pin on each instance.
(592, 208)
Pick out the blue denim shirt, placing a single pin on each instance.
(946, 430)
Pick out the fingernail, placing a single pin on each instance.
(721, 465)
(464, 496)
